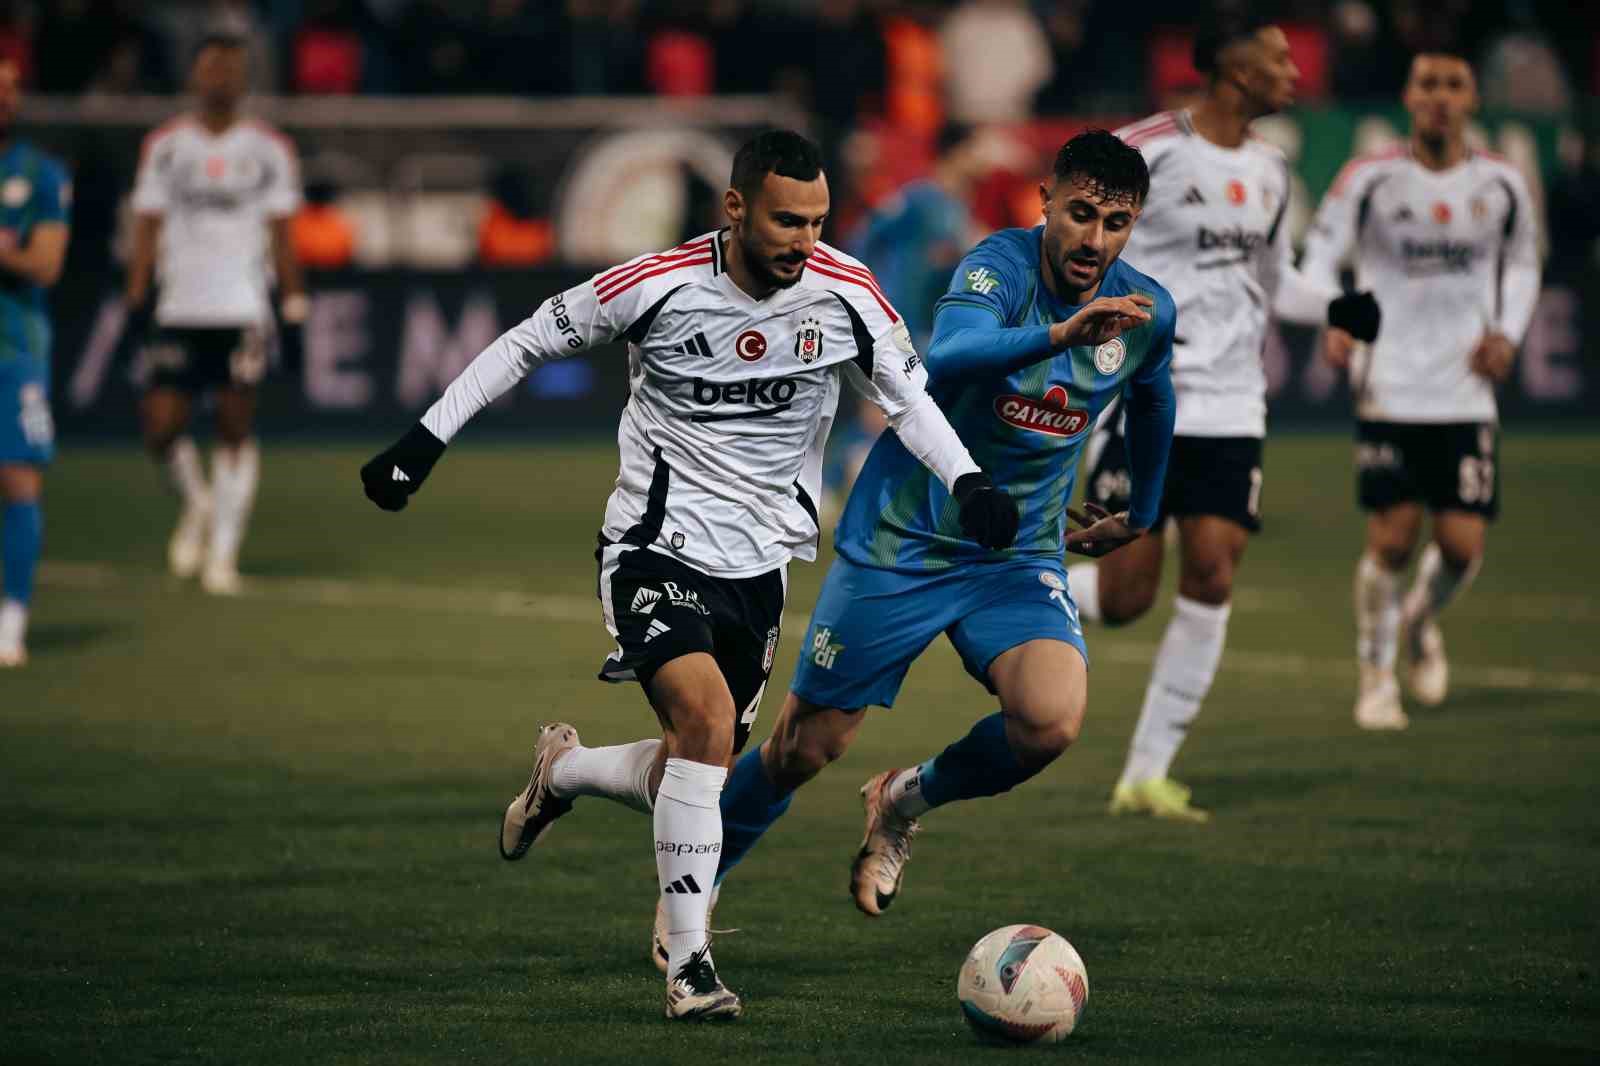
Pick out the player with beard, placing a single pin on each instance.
(34, 198)
(1213, 233)
(1449, 235)
(1038, 331)
(738, 342)
(212, 202)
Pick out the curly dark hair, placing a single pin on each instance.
(782, 152)
(1113, 169)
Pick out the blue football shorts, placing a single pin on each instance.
(869, 624)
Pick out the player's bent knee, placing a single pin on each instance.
(1127, 602)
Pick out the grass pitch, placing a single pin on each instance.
(261, 831)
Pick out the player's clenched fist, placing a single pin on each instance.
(392, 475)
(988, 514)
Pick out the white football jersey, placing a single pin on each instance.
(1212, 232)
(215, 194)
(1450, 255)
(730, 398)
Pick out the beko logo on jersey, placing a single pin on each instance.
(1050, 416)
(1237, 239)
(558, 309)
(1447, 257)
(768, 396)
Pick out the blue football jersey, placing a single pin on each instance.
(1026, 428)
(33, 189)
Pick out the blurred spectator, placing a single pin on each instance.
(847, 63)
(603, 52)
(434, 48)
(327, 52)
(995, 60)
(510, 235)
(323, 238)
(745, 40)
(1521, 72)
(914, 74)
(515, 43)
(915, 238)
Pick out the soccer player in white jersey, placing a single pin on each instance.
(212, 202)
(1213, 233)
(737, 344)
(1448, 236)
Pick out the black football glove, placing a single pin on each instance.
(988, 514)
(1357, 314)
(392, 475)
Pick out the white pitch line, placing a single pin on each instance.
(342, 592)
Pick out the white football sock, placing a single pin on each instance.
(905, 793)
(1083, 581)
(235, 472)
(1437, 583)
(1377, 595)
(620, 772)
(1186, 664)
(187, 475)
(13, 623)
(688, 827)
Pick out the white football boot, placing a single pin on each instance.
(696, 993)
(1429, 674)
(186, 550)
(658, 930)
(535, 807)
(221, 578)
(1378, 706)
(885, 849)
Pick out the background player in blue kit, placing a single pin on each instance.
(1039, 330)
(34, 195)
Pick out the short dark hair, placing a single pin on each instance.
(782, 152)
(1112, 168)
(219, 39)
(1223, 29)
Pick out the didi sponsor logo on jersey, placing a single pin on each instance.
(1050, 415)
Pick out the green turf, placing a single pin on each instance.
(260, 831)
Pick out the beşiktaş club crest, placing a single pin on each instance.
(808, 341)
(1108, 358)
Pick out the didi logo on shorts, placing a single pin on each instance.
(823, 650)
(1050, 415)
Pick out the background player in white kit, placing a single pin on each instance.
(737, 341)
(1448, 236)
(212, 202)
(1213, 233)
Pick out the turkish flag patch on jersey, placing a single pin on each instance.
(1050, 415)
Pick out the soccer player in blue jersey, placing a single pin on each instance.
(1039, 330)
(34, 196)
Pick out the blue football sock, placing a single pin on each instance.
(21, 535)
(750, 804)
(979, 764)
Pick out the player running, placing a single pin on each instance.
(1039, 330)
(737, 342)
(212, 200)
(1213, 232)
(1449, 236)
(34, 199)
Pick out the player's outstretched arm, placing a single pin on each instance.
(564, 325)
(898, 386)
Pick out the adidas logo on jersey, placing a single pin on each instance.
(399, 475)
(657, 628)
(1193, 197)
(695, 345)
(644, 601)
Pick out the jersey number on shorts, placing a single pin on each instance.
(1475, 480)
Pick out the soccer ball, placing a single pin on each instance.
(1023, 983)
